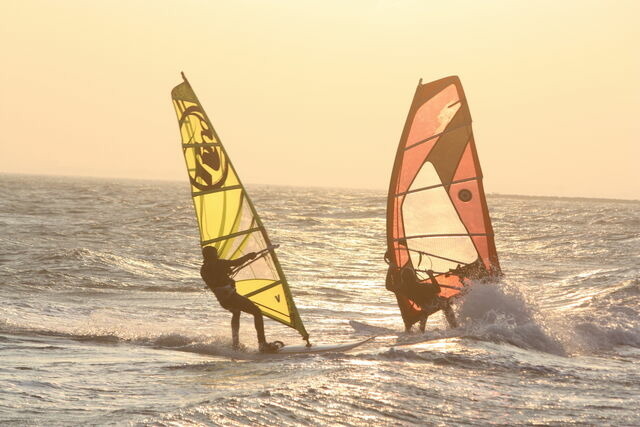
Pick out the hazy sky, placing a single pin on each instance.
(316, 93)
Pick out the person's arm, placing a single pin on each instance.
(389, 282)
(434, 281)
(432, 277)
(239, 261)
(387, 257)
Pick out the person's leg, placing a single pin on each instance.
(407, 313)
(235, 328)
(427, 310)
(449, 314)
(244, 304)
(407, 327)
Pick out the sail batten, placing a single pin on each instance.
(230, 236)
(437, 215)
(436, 186)
(264, 288)
(217, 190)
(201, 144)
(437, 136)
(420, 236)
(227, 219)
(435, 256)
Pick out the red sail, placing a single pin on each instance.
(437, 216)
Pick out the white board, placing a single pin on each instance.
(320, 348)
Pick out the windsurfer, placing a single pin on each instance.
(425, 295)
(216, 273)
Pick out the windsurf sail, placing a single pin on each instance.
(226, 216)
(437, 215)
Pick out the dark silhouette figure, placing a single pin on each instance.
(442, 304)
(426, 295)
(216, 273)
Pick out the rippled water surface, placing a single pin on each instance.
(104, 319)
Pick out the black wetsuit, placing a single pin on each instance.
(216, 274)
(423, 294)
(427, 296)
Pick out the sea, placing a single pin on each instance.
(104, 319)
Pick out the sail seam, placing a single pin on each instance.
(230, 236)
(432, 255)
(437, 135)
(201, 144)
(274, 310)
(217, 190)
(291, 323)
(436, 186)
(264, 288)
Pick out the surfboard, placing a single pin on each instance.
(402, 338)
(320, 348)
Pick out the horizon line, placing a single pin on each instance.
(177, 181)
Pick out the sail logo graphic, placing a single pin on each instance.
(211, 165)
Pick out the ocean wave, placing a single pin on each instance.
(594, 337)
(15, 328)
(368, 329)
(632, 223)
(500, 312)
(494, 363)
(608, 320)
(302, 220)
(351, 215)
(148, 336)
(92, 263)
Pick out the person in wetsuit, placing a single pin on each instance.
(427, 296)
(216, 273)
(442, 303)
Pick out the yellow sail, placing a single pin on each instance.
(226, 217)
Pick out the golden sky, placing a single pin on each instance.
(317, 92)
